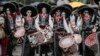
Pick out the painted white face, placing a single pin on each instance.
(44, 10)
(29, 13)
(58, 12)
(86, 13)
(8, 11)
(63, 14)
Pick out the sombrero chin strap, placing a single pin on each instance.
(93, 17)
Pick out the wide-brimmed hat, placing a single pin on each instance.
(26, 8)
(11, 6)
(17, 5)
(67, 5)
(20, 4)
(86, 8)
(42, 5)
(62, 9)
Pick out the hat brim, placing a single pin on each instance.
(26, 8)
(42, 5)
(20, 4)
(10, 6)
(86, 8)
(62, 9)
(67, 5)
(16, 4)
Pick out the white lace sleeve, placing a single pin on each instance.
(37, 23)
(50, 22)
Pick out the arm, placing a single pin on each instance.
(79, 23)
(66, 26)
(72, 18)
(50, 22)
(37, 23)
(70, 28)
(23, 21)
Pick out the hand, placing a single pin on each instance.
(39, 29)
(47, 28)
(94, 29)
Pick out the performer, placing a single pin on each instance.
(72, 18)
(8, 10)
(57, 49)
(73, 49)
(44, 22)
(60, 26)
(29, 14)
(88, 27)
(19, 24)
(76, 24)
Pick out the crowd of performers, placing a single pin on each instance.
(42, 29)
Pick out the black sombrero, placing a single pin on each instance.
(41, 5)
(62, 9)
(20, 4)
(33, 9)
(97, 1)
(86, 8)
(12, 7)
(16, 4)
(67, 5)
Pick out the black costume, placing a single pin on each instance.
(59, 27)
(9, 24)
(87, 27)
(28, 50)
(44, 21)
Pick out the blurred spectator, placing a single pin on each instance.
(61, 2)
(52, 2)
(66, 1)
